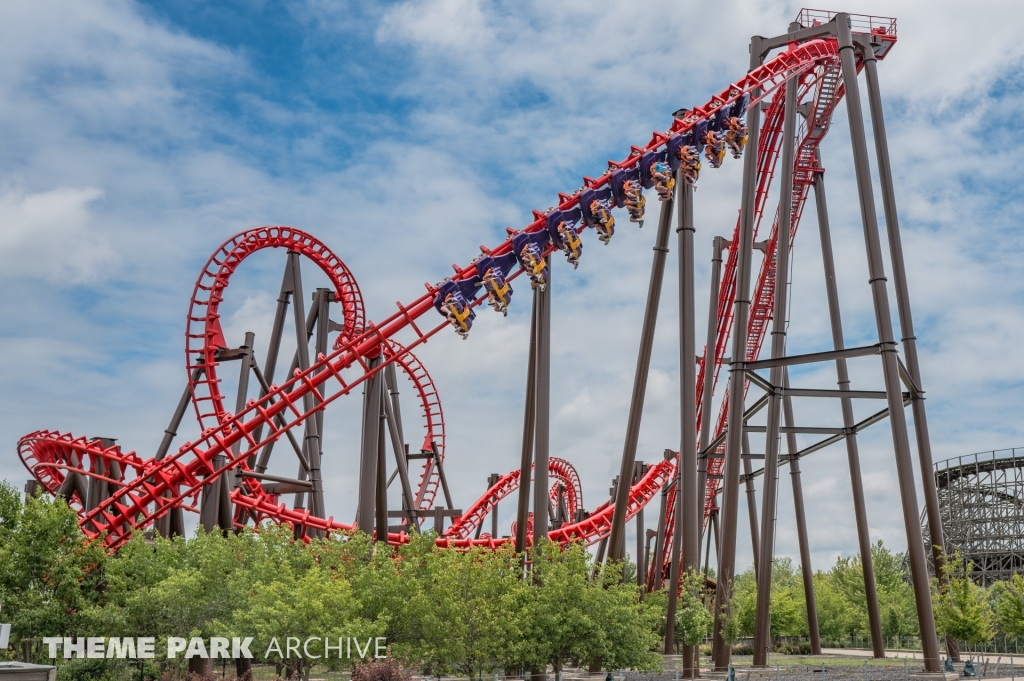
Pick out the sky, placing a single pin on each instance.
(139, 136)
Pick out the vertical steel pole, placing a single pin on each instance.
(276, 332)
(769, 489)
(852, 451)
(526, 461)
(381, 499)
(890, 367)
(899, 273)
(397, 445)
(710, 346)
(748, 480)
(731, 474)
(541, 490)
(617, 541)
(366, 505)
(659, 540)
(806, 570)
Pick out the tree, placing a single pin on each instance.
(49, 574)
(693, 619)
(962, 610)
(1008, 603)
(302, 606)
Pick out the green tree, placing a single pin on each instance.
(961, 607)
(49, 574)
(1008, 604)
(302, 606)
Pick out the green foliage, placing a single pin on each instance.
(788, 609)
(842, 603)
(1008, 604)
(48, 574)
(962, 607)
(693, 619)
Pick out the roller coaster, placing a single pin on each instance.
(774, 119)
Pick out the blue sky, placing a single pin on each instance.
(139, 136)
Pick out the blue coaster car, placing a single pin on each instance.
(492, 272)
(596, 209)
(684, 154)
(628, 192)
(529, 251)
(563, 233)
(731, 126)
(452, 303)
(655, 170)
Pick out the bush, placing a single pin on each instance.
(388, 669)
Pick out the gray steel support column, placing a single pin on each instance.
(710, 345)
(852, 450)
(659, 541)
(748, 481)
(541, 489)
(640, 531)
(688, 498)
(731, 474)
(617, 540)
(322, 299)
(276, 332)
(529, 412)
(366, 505)
(397, 445)
(890, 367)
(381, 500)
(806, 570)
(244, 369)
(769, 489)
(908, 338)
(174, 518)
(311, 439)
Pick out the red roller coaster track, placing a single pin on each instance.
(141, 490)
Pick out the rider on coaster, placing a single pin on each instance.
(534, 264)
(714, 148)
(735, 135)
(499, 292)
(664, 182)
(572, 245)
(635, 201)
(458, 312)
(689, 163)
(604, 222)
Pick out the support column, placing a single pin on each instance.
(748, 480)
(617, 540)
(640, 531)
(852, 450)
(731, 473)
(526, 461)
(687, 497)
(172, 523)
(890, 367)
(710, 348)
(366, 505)
(909, 340)
(381, 497)
(769, 489)
(394, 419)
(806, 571)
(543, 415)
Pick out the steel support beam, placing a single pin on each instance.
(529, 412)
(721, 652)
(890, 367)
(769, 490)
(806, 570)
(852, 450)
(366, 504)
(710, 347)
(617, 540)
(909, 340)
(394, 420)
(542, 395)
(748, 480)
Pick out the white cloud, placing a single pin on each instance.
(49, 234)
